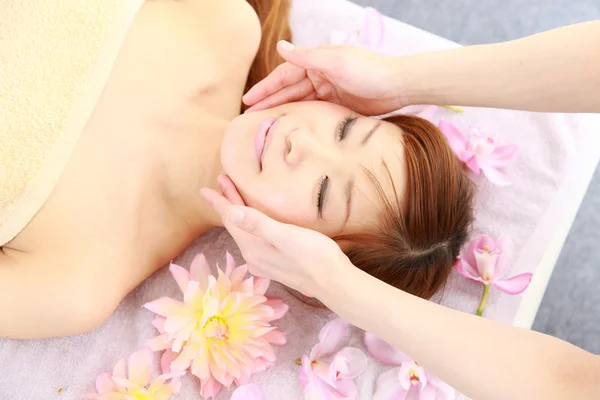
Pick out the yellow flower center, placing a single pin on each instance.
(216, 327)
(486, 248)
(139, 394)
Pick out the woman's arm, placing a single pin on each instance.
(554, 71)
(481, 358)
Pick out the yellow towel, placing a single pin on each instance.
(55, 58)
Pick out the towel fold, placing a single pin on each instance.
(55, 58)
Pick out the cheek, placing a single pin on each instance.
(284, 203)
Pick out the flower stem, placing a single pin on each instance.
(486, 292)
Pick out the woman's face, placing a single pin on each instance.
(307, 163)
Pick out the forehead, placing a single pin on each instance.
(382, 173)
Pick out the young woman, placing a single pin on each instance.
(168, 123)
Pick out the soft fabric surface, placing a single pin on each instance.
(56, 57)
(549, 148)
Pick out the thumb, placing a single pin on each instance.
(257, 224)
(304, 57)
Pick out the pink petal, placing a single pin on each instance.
(505, 247)
(261, 285)
(455, 137)
(181, 275)
(247, 392)
(496, 177)
(478, 243)
(159, 324)
(166, 359)
(177, 323)
(237, 277)
(210, 388)
(502, 155)
(276, 337)
(427, 393)
(348, 363)
(515, 285)
(166, 307)
(345, 390)
(160, 342)
(120, 370)
(330, 337)
(382, 351)
(373, 30)
(486, 264)
(229, 263)
(199, 270)
(471, 161)
(442, 389)
(466, 270)
(191, 292)
(404, 374)
(388, 386)
(104, 383)
(278, 306)
(140, 366)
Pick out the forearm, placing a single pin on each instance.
(479, 357)
(554, 71)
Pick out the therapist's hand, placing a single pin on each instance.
(300, 258)
(362, 80)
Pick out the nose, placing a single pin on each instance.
(299, 146)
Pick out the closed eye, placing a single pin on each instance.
(322, 191)
(344, 127)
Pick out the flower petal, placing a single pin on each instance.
(166, 359)
(388, 386)
(466, 270)
(166, 307)
(209, 388)
(456, 139)
(249, 391)
(373, 29)
(176, 323)
(120, 370)
(348, 364)
(104, 383)
(486, 264)
(199, 270)
(478, 243)
(515, 285)
(159, 324)
(278, 306)
(502, 155)
(261, 285)
(382, 351)
(471, 161)
(330, 337)
(442, 389)
(140, 366)
(496, 177)
(229, 263)
(427, 393)
(181, 275)
(275, 337)
(160, 342)
(505, 247)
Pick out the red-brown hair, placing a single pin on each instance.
(416, 249)
(413, 250)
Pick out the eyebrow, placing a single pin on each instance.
(348, 195)
(370, 133)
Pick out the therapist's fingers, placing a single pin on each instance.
(259, 225)
(282, 76)
(229, 190)
(288, 94)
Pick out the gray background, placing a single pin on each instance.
(571, 306)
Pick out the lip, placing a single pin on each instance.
(260, 138)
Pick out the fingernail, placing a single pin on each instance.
(236, 216)
(286, 46)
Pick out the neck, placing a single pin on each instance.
(200, 165)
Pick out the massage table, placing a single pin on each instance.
(558, 155)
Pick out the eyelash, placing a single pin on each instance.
(322, 184)
(343, 127)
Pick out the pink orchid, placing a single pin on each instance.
(249, 391)
(485, 261)
(221, 329)
(408, 379)
(135, 384)
(369, 37)
(327, 374)
(479, 151)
